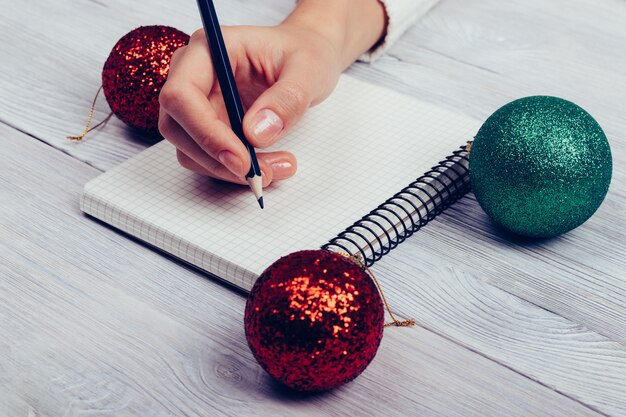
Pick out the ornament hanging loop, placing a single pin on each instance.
(90, 118)
(395, 322)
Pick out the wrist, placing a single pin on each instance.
(351, 27)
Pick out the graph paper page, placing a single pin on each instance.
(355, 150)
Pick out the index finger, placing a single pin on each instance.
(185, 98)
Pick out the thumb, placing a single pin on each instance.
(275, 111)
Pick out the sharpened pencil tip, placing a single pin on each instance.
(257, 188)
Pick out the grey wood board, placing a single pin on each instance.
(93, 322)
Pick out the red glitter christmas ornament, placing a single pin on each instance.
(135, 71)
(314, 320)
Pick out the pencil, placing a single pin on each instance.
(232, 100)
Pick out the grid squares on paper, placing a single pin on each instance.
(355, 150)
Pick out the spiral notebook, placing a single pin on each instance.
(364, 184)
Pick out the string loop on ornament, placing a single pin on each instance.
(90, 118)
(395, 322)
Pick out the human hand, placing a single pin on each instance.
(280, 71)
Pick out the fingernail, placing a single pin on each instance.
(232, 162)
(282, 170)
(266, 126)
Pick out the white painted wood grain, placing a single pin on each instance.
(456, 299)
(134, 333)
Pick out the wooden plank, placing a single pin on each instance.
(457, 295)
(475, 59)
(579, 275)
(94, 323)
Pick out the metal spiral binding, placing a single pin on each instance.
(388, 225)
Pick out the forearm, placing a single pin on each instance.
(352, 26)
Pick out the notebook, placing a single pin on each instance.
(359, 154)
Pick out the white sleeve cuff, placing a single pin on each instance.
(401, 14)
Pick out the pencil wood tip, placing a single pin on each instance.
(256, 184)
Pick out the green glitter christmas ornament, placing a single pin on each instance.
(540, 166)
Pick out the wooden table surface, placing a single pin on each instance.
(94, 323)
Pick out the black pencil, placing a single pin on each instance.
(232, 100)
